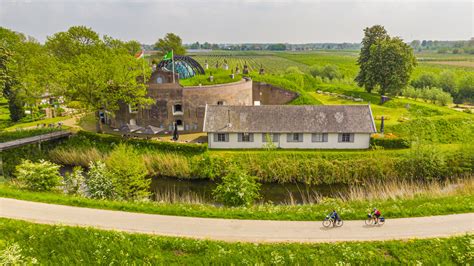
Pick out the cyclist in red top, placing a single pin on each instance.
(377, 215)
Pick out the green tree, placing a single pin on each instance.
(41, 176)
(371, 36)
(77, 40)
(447, 81)
(102, 75)
(5, 57)
(331, 72)
(128, 173)
(425, 80)
(27, 71)
(389, 67)
(170, 42)
(466, 90)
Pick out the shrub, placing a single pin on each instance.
(423, 163)
(128, 173)
(390, 143)
(75, 183)
(41, 176)
(99, 185)
(237, 189)
(151, 144)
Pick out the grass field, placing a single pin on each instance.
(24, 243)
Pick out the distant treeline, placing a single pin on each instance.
(455, 47)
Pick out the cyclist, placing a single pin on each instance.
(376, 214)
(335, 216)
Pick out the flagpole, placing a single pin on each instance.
(172, 64)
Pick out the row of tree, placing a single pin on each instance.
(456, 47)
(78, 64)
(462, 90)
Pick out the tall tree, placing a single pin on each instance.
(26, 72)
(101, 74)
(170, 42)
(385, 63)
(371, 36)
(390, 65)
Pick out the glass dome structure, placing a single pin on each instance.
(185, 66)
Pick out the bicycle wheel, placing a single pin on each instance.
(339, 223)
(369, 221)
(381, 221)
(327, 223)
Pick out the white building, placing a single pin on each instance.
(289, 126)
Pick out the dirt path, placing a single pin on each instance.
(236, 230)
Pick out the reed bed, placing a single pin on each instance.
(173, 195)
(169, 164)
(76, 157)
(407, 190)
(392, 190)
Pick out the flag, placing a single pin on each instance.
(140, 54)
(168, 56)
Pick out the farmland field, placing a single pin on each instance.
(270, 62)
(278, 62)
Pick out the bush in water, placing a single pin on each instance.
(99, 185)
(40, 176)
(127, 171)
(237, 189)
(75, 183)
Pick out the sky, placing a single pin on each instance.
(246, 21)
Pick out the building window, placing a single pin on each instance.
(294, 137)
(319, 137)
(346, 137)
(177, 108)
(221, 137)
(245, 137)
(179, 122)
(274, 137)
(220, 102)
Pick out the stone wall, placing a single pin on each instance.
(268, 94)
(192, 100)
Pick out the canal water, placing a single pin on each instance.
(171, 189)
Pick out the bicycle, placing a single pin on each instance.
(328, 221)
(371, 220)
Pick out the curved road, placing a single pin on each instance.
(236, 230)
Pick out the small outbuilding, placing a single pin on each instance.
(289, 126)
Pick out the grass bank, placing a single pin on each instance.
(396, 204)
(64, 245)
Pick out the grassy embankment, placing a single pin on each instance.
(396, 200)
(64, 245)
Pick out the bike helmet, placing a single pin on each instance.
(375, 209)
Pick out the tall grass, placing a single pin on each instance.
(392, 190)
(173, 195)
(407, 190)
(79, 157)
(421, 163)
(169, 164)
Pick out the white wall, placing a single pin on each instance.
(361, 141)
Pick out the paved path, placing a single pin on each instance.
(236, 230)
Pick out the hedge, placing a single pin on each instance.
(151, 144)
(390, 143)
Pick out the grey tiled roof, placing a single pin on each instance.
(289, 118)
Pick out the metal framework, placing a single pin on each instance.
(185, 66)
